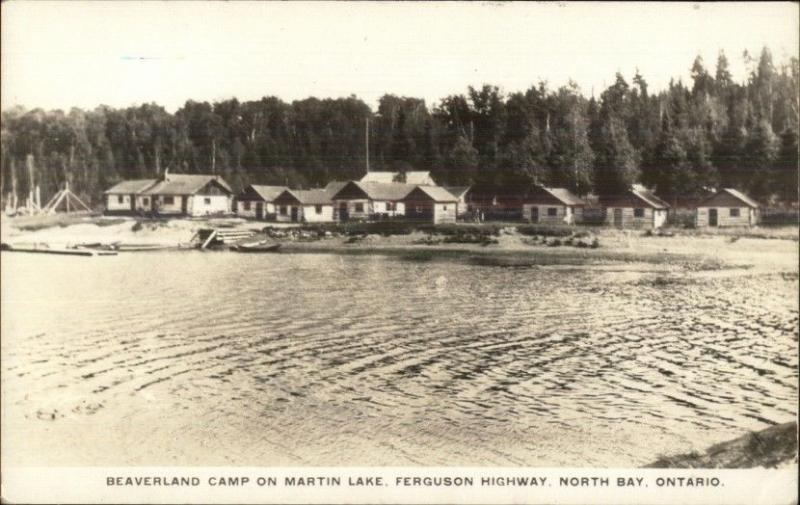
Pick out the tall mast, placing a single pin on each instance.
(366, 138)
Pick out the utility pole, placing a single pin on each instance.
(366, 138)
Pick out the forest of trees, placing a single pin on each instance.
(710, 132)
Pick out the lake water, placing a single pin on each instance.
(312, 359)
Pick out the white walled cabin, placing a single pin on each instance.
(363, 201)
(122, 197)
(728, 207)
(304, 206)
(186, 195)
(257, 201)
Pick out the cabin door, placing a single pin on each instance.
(343, 211)
(259, 210)
(534, 214)
(618, 218)
(712, 217)
(185, 204)
(294, 214)
(133, 202)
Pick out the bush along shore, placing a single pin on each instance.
(773, 447)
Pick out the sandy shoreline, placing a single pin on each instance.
(773, 250)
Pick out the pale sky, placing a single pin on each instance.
(65, 54)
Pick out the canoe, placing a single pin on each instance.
(256, 247)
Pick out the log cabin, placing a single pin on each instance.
(728, 207)
(552, 206)
(636, 208)
(257, 201)
(433, 204)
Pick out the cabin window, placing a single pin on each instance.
(145, 201)
(638, 212)
(246, 205)
(444, 207)
(283, 210)
(418, 209)
(389, 206)
(318, 208)
(168, 200)
(120, 199)
(552, 211)
(359, 207)
(207, 201)
(734, 212)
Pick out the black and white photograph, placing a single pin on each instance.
(482, 252)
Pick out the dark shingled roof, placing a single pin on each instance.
(185, 184)
(128, 187)
(266, 193)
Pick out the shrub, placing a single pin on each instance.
(545, 230)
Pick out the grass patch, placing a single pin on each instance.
(769, 448)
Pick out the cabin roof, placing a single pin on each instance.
(563, 195)
(266, 193)
(457, 191)
(393, 191)
(185, 184)
(132, 186)
(307, 196)
(736, 194)
(412, 177)
(333, 187)
(435, 193)
(648, 197)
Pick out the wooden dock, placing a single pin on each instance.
(211, 237)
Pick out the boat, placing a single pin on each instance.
(256, 247)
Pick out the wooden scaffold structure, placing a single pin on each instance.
(64, 198)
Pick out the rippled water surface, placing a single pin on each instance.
(217, 358)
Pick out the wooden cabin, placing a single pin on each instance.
(636, 208)
(433, 204)
(728, 207)
(187, 195)
(412, 177)
(257, 202)
(304, 206)
(370, 200)
(552, 206)
(460, 192)
(121, 198)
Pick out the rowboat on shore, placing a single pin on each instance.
(262, 246)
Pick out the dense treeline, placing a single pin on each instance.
(710, 132)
